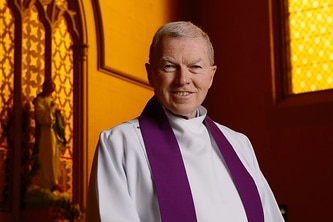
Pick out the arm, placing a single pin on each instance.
(108, 198)
(245, 152)
(271, 209)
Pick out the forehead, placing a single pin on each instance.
(168, 41)
(185, 46)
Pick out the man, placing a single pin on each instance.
(173, 163)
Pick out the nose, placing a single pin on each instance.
(183, 77)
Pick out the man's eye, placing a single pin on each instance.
(195, 68)
(169, 68)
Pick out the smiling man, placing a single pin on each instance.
(181, 71)
(173, 163)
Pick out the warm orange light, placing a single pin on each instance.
(311, 45)
(128, 30)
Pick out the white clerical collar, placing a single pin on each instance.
(201, 113)
(179, 123)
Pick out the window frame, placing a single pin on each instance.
(289, 109)
(281, 61)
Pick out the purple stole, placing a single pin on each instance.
(168, 170)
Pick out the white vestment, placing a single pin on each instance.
(121, 186)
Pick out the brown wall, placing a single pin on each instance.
(292, 137)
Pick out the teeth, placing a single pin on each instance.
(182, 93)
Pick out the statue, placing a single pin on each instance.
(44, 190)
(50, 138)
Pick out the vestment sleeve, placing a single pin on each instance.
(108, 198)
(246, 153)
(271, 209)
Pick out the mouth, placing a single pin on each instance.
(182, 93)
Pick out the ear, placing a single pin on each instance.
(149, 71)
(214, 68)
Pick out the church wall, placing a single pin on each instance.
(292, 137)
(111, 97)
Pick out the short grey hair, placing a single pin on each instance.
(180, 29)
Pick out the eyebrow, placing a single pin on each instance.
(167, 59)
(172, 60)
(196, 61)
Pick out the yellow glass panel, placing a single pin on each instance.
(33, 60)
(311, 45)
(6, 98)
(62, 68)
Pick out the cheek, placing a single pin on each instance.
(209, 81)
(163, 81)
(204, 83)
(154, 81)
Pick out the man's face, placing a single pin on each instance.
(182, 74)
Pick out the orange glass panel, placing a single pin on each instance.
(62, 68)
(6, 97)
(311, 45)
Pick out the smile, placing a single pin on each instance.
(182, 93)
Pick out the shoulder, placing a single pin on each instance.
(122, 142)
(231, 134)
(127, 127)
(37, 99)
(41, 100)
(241, 144)
(125, 133)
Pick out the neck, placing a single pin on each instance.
(196, 114)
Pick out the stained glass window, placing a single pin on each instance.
(46, 49)
(311, 45)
